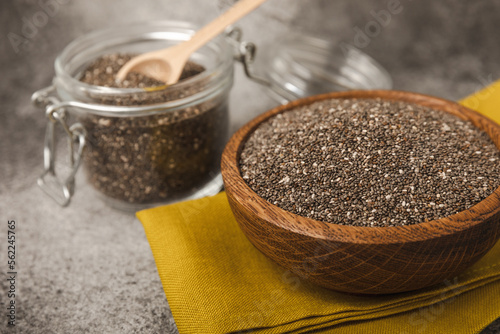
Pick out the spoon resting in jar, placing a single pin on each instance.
(167, 64)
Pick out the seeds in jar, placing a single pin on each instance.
(369, 162)
(155, 157)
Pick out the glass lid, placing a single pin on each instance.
(298, 66)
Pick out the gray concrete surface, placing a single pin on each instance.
(88, 268)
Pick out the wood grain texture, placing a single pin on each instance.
(366, 260)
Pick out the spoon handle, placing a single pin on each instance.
(211, 30)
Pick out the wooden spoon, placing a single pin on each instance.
(167, 64)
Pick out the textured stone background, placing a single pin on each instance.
(88, 268)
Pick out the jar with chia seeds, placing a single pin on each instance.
(139, 146)
(148, 144)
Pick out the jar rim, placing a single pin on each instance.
(120, 35)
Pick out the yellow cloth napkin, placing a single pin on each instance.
(216, 281)
(486, 101)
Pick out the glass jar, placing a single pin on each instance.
(143, 146)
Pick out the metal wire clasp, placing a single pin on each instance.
(60, 190)
(245, 54)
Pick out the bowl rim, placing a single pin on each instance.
(238, 190)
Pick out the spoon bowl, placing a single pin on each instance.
(166, 65)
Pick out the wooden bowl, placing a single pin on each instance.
(366, 260)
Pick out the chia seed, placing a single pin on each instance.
(369, 162)
(156, 157)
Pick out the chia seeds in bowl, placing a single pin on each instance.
(264, 159)
(370, 162)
